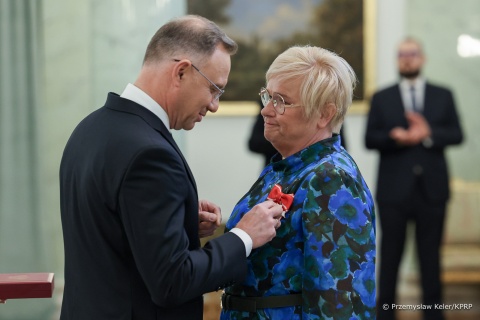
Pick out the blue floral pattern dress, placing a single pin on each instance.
(325, 247)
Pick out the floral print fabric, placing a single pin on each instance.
(325, 247)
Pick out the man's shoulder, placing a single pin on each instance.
(386, 93)
(437, 87)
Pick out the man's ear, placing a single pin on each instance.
(326, 116)
(179, 70)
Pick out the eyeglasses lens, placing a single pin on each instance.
(277, 100)
(265, 97)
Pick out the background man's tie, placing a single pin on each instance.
(414, 104)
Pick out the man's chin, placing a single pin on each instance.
(189, 126)
(410, 74)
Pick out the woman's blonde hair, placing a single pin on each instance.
(326, 78)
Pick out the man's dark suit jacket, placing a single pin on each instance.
(129, 209)
(396, 175)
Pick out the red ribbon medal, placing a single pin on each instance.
(277, 196)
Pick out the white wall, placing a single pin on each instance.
(217, 152)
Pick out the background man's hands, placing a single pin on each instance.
(417, 131)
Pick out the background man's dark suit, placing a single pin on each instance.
(396, 174)
(119, 158)
(413, 183)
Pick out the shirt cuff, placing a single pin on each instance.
(247, 240)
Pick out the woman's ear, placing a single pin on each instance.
(326, 115)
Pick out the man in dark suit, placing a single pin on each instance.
(410, 124)
(129, 205)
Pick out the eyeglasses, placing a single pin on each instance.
(277, 101)
(408, 54)
(219, 92)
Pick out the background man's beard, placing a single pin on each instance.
(410, 74)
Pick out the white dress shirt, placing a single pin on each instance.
(406, 92)
(137, 95)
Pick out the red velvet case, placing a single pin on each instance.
(26, 285)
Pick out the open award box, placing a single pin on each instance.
(25, 285)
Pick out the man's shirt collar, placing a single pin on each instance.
(137, 95)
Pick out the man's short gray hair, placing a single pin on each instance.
(190, 36)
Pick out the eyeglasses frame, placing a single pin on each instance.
(285, 106)
(220, 91)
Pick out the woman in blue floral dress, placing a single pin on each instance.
(321, 264)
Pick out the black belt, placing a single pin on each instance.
(252, 304)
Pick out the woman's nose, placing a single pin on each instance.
(268, 110)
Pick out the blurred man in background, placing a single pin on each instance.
(410, 124)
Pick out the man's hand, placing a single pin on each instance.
(210, 218)
(261, 222)
(400, 136)
(418, 127)
(418, 130)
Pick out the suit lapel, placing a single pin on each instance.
(168, 136)
(397, 107)
(397, 100)
(426, 101)
(117, 103)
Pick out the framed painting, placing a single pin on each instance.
(263, 29)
